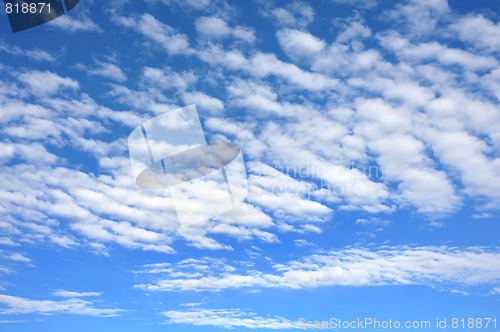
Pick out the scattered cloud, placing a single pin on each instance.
(226, 318)
(46, 83)
(33, 55)
(353, 266)
(108, 70)
(19, 305)
(63, 293)
(15, 256)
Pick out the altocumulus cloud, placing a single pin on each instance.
(355, 266)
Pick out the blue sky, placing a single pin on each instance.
(370, 132)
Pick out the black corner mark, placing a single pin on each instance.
(26, 14)
(70, 4)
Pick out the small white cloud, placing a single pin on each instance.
(212, 27)
(33, 55)
(64, 293)
(162, 34)
(374, 221)
(303, 243)
(482, 215)
(480, 31)
(191, 304)
(46, 83)
(216, 28)
(108, 70)
(17, 257)
(296, 14)
(226, 318)
(78, 21)
(19, 305)
(7, 242)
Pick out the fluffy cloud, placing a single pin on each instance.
(214, 27)
(296, 14)
(162, 34)
(33, 55)
(79, 22)
(46, 83)
(480, 31)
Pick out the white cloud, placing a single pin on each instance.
(302, 243)
(34, 152)
(17, 257)
(480, 31)
(459, 292)
(226, 318)
(434, 50)
(262, 65)
(155, 79)
(214, 27)
(354, 266)
(363, 4)
(166, 78)
(191, 304)
(220, 7)
(6, 270)
(163, 34)
(420, 17)
(478, 172)
(353, 29)
(482, 215)
(204, 101)
(19, 305)
(7, 242)
(33, 55)
(64, 293)
(108, 70)
(79, 20)
(46, 83)
(426, 120)
(72, 25)
(296, 14)
(298, 44)
(373, 221)
(285, 196)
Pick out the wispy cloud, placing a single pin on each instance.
(227, 318)
(19, 305)
(64, 293)
(357, 267)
